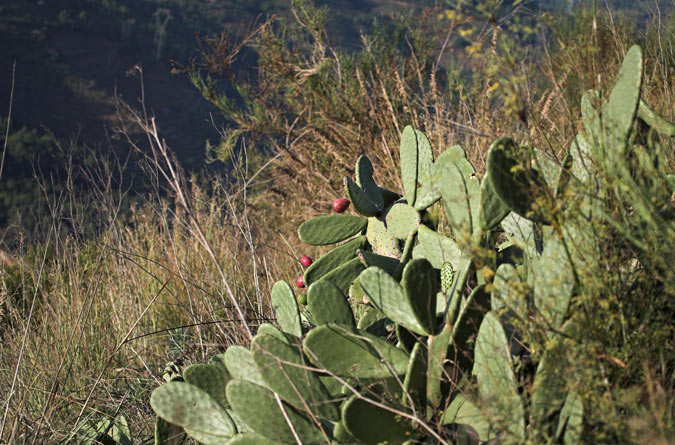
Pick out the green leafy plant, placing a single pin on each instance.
(413, 328)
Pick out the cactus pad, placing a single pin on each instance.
(361, 200)
(389, 296)
(519, 186)
(284, 369)
(553, 283)
(416, 161)
(333, 259)
(250, 439)
(328, 304)
(374, 425)
(415, 382)
(622, 106)
(461, 411)
(364, 179)
(286, 309)
(655, 120)
(349, 352)
(344, 276)
(436, 248)
(188, 406)
(385, 263)
(496, 381)
(263, 413)
(402, 220)
(209, 378)
(330, 229)
(240, 364)
(455, 179)
(381, 240)
(492, 209)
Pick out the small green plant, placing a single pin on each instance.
(413, 329)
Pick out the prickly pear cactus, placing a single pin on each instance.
(410, 326)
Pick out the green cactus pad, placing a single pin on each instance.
(463, 412)
(270, 329)
(193, 409)
(496, 382)
(581, 151)
(330, 229)
(415, 382)
(370, 424)
(341, 434)
(406, 339)
(284, 369)
(518, 229)
(519, 186)
(549, 167)
(622, 106)
(427, 195)
(416, 161)
(420, 283)
(507, 291)
(655, 120)
(570, 425)
(369, 317)
(240, 364)
(250, 439)
(438, 353)
(381, 240)
(549, 388)
(389, 296)
(467, 325)
(364, 178)
(590, 117)
(361, 200)
(553, 283)
(385, 263)
(167, 433)
(344, 276)
(356, 291)
(218, 360)
(402, 220)
(492, 210)
(108, 431)
(349, 352)
(263, 413)
(209, 378)
(333, 259)
(455, 179)
(328, 304)
(286, 309)
(436, 248)
(388, 197)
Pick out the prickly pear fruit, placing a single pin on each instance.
(300, 281)
(306, 261)
(340, 205)
(302, 298)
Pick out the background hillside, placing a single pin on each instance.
(73, 57)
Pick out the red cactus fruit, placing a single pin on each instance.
(300, 281)
(306, 261)
(340, 205)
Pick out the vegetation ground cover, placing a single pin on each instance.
(93, 321)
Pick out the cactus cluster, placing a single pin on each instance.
(411, 338)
